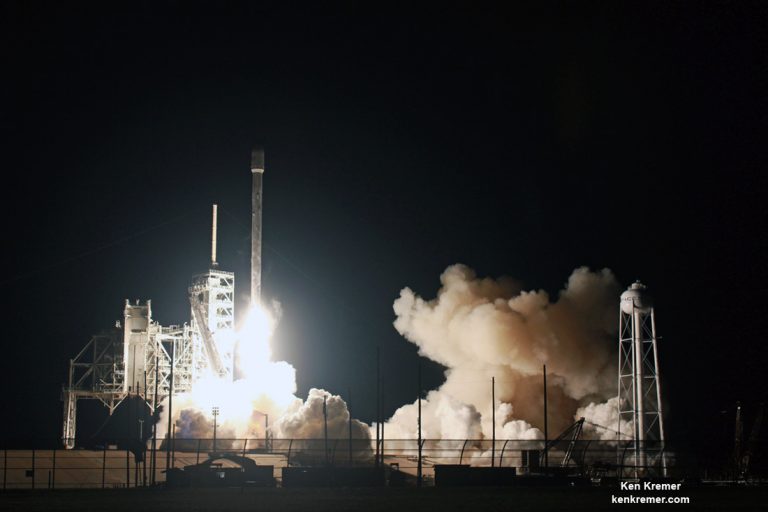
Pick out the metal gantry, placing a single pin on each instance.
(139, 356)
(132, 356)
(212, 303)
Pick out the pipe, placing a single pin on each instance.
(637, 342)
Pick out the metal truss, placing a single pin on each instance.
(212, 300)
(95, 373)
(135, 357)
(99, 371)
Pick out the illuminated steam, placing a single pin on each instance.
(483, 328)
(263, 398)
(305, 420)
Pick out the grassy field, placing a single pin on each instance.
(370, 499)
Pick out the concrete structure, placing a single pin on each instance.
(639, 382)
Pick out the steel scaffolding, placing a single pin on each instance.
(129, 358)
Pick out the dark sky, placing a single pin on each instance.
(398, 141)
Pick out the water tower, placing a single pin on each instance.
(640, 384)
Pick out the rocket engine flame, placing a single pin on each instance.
(265, 388)
(254, 352)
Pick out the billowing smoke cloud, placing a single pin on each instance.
(483, 328)
(604, 421)
(261, 402)
(305, 420)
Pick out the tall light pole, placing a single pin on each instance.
(266, 431)
(325, 426)
(493, 421)
(418, 463)
(546, 425)
(215, 412)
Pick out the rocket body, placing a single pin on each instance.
(257, 171)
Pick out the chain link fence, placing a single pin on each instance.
(115, 466)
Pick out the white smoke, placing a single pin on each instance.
(484, 328)
(604, 420)
(306, 420)
(262, 402)
(323, 415)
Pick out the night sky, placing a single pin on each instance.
(398, 141)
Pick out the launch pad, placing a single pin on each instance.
(140, 357)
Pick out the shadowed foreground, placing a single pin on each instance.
(370, 499)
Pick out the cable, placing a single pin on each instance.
(90, 251)
(606, 428)
(290, 263)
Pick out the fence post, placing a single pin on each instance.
(127, 469)
(103, 466)
(333, 452)
(33, 468)
(144, 466)
(53, 481)
(288, 459)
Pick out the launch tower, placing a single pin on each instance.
(135, 356)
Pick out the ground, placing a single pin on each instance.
(369, 499)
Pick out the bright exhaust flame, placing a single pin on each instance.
(254, 351)
(264, 389)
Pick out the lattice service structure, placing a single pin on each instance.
(136, 355)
